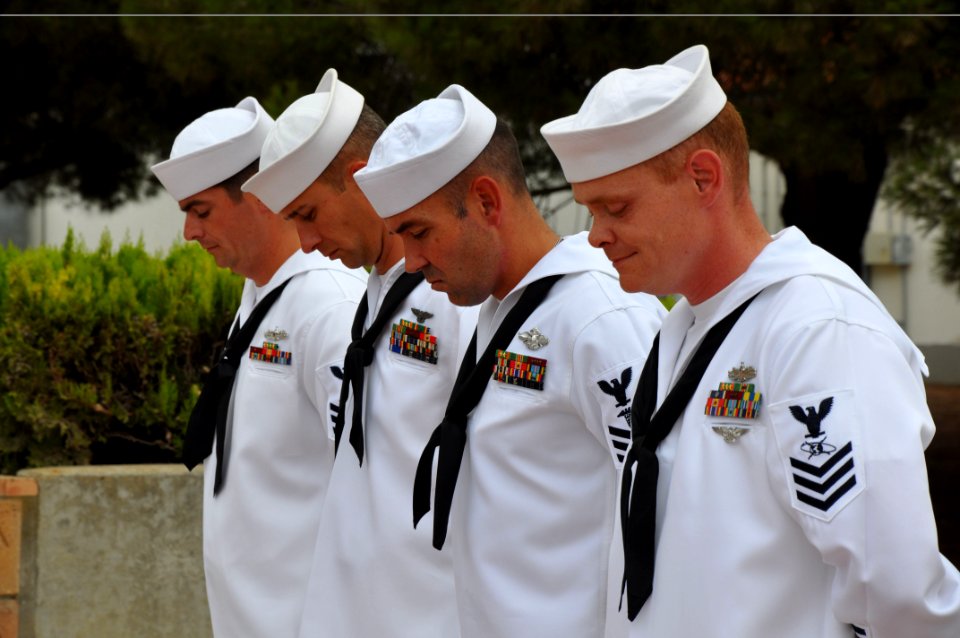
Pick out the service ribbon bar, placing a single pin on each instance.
(737, 400)
(271, 353)
(519, 369)
(414, 340)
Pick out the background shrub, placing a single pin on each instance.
(102, 352)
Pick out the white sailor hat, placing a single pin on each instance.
(305, 139)
(632, 115)
(424, 148)
(214, 147)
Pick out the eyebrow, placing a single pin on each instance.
(193, 202)
(405, 226)
(298, 211)
(598, 198)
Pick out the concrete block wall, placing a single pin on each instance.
(102, 551)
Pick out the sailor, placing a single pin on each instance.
(540, 411)
(776, 482)
(264, 420)
(372, 573)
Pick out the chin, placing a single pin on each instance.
(635, 284)
(466, 299)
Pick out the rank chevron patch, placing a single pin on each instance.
(823, 486)
(620, 440)
(613, 389)
(818, 438)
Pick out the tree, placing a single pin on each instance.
(78, 113)
(824, 96)
(99, 99)
(827, 98)
(924, 183)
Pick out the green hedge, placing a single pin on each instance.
(102, 352)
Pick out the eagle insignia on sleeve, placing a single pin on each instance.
(815, 443)
(617, 388)
(825, 475)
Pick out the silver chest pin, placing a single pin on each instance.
(533, 339)
(277, 334)
(422, 315)
(730, 433)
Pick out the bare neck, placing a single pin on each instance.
(391, 251)
(277, 250)
(526, 239)
(727, 253)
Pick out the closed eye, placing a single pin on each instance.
(307, 215)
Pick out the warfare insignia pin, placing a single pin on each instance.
(742, 373)
(277, 334)
(519, 369)
(533, 339)
(421, 315)
(730, 433)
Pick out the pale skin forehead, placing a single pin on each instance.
(605, 189)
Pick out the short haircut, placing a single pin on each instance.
(368, 128)
(232, 184)
(499, 159)
(726, 135)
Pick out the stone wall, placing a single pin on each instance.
(105, 551)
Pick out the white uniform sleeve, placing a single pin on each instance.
(326, 337)
(850, 425)
(608, 357)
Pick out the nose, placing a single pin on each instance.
(600, 234)
(414, 259)
(309, 238)
(192, 228)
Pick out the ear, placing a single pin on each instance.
(706, 169)
(486, 192)
(354, 166)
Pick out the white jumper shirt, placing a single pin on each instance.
(811, 515)
(533, 513)
(373, 574)
(259, 532)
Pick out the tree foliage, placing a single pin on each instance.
(823, 95)
(925, 184)
(102, 351)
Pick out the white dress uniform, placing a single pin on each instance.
(792, 499)
(373, 574)
(533, 513)
(260, 531)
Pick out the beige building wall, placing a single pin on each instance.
(928, 310)
(158, 220)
